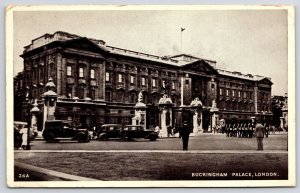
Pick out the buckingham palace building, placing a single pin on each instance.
(97, 84)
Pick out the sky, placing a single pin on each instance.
(248, 41)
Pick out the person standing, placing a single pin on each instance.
(169, 130)
(185, 134)
(157, 130)
(259, 133)
(266, 130)
(24, 131)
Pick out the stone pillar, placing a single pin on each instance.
(140, 112)
(214, 110)
(281, 123)
(255, 98)
(200, 126)
(34, 112)
(163, 132)
(181, 92)
(196, 107)
(165, 105)
(195, 122)
(213, 122)
(59, 77)
(50, 98)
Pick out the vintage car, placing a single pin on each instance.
(136, 131)
(61, 129)
(108, 131)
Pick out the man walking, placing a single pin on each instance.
(185, 134)
(259, 133)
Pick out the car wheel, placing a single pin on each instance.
(88, 139)
(49, 137)
(81, 138)
(153, 138)
(102, 137)
(126, 137)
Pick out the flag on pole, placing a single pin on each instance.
(182, 29)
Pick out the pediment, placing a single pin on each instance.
(200, 66)
(85, 44)
(265, 81)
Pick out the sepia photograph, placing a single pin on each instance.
(150, 96)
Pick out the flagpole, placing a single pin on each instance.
(181, 30)
(181, 40)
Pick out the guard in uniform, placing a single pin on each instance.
(185, 134)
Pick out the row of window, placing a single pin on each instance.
(133, 80)
(81, 92)
(234, 84)
(236, 93)
(132, 97)
(236, 106)
(81, 72)
(120, 77)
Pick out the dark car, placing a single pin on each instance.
(136, 131)
(107, 131)
(62, 129)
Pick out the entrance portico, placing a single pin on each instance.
(196, 108)
(165, 105)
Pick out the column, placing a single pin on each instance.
(281, 123)
(200, 126)
(171, 113)
(181, 92)
(101, 81)
(213, 122)
(64, 77)
(59, 74)
(195, 122)
(255, 98)
(163, 132)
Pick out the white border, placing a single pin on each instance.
(216, 183)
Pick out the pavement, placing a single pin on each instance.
(38, 174)
(212, 144)
(40, 136)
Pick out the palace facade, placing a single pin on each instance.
(97, 83)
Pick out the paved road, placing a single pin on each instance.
(201, 142)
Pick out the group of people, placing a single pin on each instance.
(244, 130)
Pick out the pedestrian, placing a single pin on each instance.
(259, 133)
(266, 130)
(169, 130)
(156, 130)
(17, 137)
(185, 134)
(24, 134)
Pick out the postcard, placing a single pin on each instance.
(150, 96)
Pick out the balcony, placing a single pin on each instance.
(93, 83)
(81, 81)
(70, 80)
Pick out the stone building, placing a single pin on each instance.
(97, 83)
